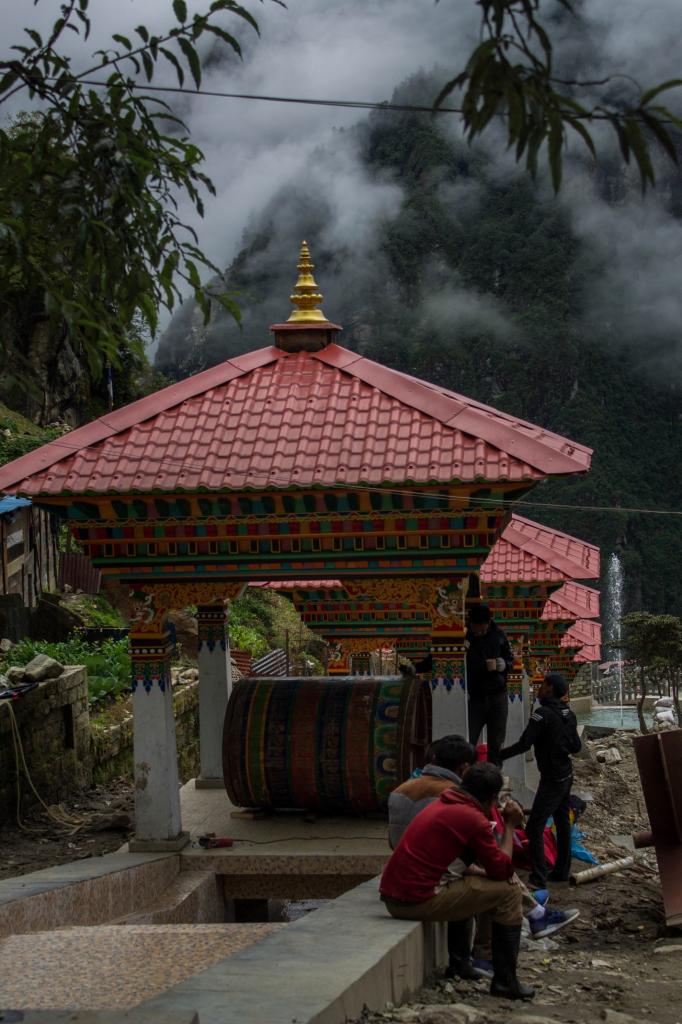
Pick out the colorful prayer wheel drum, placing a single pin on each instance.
(330, 745)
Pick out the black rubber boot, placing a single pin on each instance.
(506, 940)
(460, 964)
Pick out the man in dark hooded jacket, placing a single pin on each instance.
(488, 661)
(552, 732)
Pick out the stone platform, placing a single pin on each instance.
(281, 856)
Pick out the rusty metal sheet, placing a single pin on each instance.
(659, 760)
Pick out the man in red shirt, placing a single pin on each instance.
(457, 825)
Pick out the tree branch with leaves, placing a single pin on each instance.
(112, 165)
(510, 75)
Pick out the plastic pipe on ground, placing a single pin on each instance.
(602, 869)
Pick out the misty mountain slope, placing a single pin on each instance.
(439, 263)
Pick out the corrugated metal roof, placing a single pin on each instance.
(572, 601)
(272, 419)
(528, 552)
(10, 504)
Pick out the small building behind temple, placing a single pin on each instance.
(29, 553)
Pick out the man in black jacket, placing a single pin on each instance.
(488, 660)
(553, 732)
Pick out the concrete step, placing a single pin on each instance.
(193, 897)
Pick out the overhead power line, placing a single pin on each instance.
(304, 100)
(256, 479)
(318, 102)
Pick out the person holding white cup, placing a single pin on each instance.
(489, 659)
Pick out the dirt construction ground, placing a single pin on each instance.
(612, 964)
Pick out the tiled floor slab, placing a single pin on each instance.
(282, 834)
(110, 967)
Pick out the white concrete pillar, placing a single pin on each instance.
(516, 721)
(215, 686)
(448, 689)
(158, 824)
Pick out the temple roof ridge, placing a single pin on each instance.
(330, 406)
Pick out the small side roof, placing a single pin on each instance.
(572, 601)
(583, 632)
(529, 552)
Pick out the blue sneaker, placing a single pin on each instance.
(541, 896)
(550, 922)
(484, 968)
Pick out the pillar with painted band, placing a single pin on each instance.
(215, 685)
(158, 823)
(448, 649)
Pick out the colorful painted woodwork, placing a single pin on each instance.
(332, 745)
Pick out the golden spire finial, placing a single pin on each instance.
(306, 297)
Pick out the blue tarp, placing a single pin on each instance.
(10, 504)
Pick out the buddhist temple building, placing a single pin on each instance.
(298, 461)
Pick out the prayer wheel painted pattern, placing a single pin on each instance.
(334, 745)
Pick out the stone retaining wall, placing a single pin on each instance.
(54, 728)
(582, 684)
(66, 752)
(112, 745)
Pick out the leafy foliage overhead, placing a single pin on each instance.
(511, 73)
(90, 187)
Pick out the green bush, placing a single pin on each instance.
(17, 440)
(96, 610)
(246, 638)
(108, 664)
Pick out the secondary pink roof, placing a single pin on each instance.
(275, 419)
(572, 601)
(530, 553)
(583, 632)
(587, 654)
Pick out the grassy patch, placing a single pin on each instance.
(19, 436)
(108, 664)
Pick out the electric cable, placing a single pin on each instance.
(594, 115)
(56, 813)
(317, 839)
(454, 498)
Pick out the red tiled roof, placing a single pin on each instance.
(572, 601)
(530, 553)
(587, 654)
(583, 632)
(272, 419)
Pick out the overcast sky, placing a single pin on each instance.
(361, 50)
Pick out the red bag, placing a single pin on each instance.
(520, 856)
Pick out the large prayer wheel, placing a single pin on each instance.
(332, 745)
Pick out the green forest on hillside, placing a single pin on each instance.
(528, 348)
